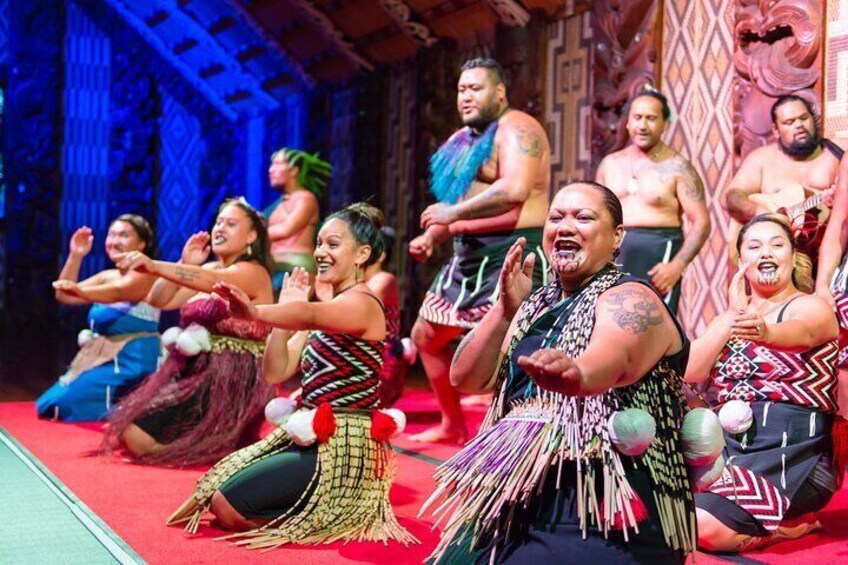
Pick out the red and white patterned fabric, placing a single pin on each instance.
(750, 371)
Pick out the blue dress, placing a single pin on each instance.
(91, 393)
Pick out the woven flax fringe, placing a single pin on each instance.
(505, 466)
(347, 499)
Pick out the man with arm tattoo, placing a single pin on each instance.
(657, 188)
(491, 181)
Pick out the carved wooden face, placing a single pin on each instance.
(478, 98)
(645, 123)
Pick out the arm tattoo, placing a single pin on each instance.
(633, 310)
(527, 140)
(691, 181)
(463, 344)
(490, 202)
(692, 243)
(185, 275)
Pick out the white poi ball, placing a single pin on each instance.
(632, 431)
(399, 417)
(193, 340)
(85, 336)
(170, 336)
(702, 437)
(703, 477)
(278, 410)
(736, 416)
(299, 427)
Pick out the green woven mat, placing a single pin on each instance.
(41, 521)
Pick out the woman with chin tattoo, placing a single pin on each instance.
(772, 358)
(121, 345)
(207, 397)
(544, 480)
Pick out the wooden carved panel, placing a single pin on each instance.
(777, 51)
(624, 58)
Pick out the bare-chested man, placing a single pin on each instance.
(789, 171)
(491, 180)
(657, 187)
(293, 218)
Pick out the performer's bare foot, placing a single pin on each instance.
(440, 434)
(798, 527)
(484, 400)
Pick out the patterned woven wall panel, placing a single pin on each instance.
(567, 99)
(836, 69)
(697, 76)
(85, 165)
(179, 186)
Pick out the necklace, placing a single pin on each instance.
(632, 182)
(348, 287)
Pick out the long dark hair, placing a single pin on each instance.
(260, 250)
(144, 231)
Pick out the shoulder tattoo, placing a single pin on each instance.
(527, 140)
(634, 310)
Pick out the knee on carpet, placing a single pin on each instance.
(138, 441)
(227, 516)
(713, 535)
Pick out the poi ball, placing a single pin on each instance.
(702, 437)
(632, 431)
(399, 417)
(703, 477)
(85, 336)
(278, 410)
(299, 427)
(193, 340)
(170, 336)
(736, 416)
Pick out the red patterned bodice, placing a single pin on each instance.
(341, 370)
(750, 371)
(213, 314)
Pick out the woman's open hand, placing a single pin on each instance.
(737, 297)
(81, 242)
(71, 288)
(552, 370)
(516, 277)
(238, 300)
(295, 287)
(196, 249)
(135, 261)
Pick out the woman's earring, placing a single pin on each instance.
(358, 270)
(250, 250)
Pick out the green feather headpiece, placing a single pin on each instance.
(313, 172)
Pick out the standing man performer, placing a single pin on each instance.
(293, 218)
(787, 173)
(657, 188)
(491, 180)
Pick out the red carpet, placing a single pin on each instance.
(134, 500)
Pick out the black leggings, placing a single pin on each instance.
(272, 486)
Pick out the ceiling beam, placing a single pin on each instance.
(332, 33)
(415, 29)
(510, 12)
